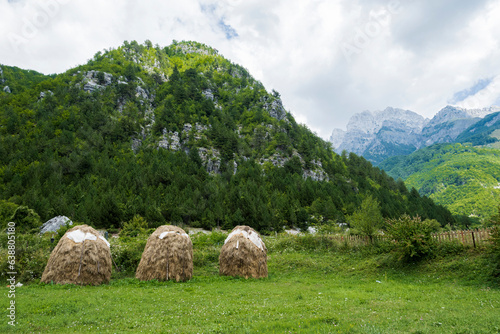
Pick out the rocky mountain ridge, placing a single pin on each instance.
(381, 134)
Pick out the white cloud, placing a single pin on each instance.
(410, 54)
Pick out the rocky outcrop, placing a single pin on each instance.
(44, 94)
(95, 80)
(316, 173)
(170, 140)
(136, 144)
(6, 89)
(208, 94)
(54, 224)
(211, 160)
(274, 107)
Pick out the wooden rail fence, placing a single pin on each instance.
(468, 237)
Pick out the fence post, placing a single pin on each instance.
(473, 239)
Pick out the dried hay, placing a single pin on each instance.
(82, 256)
(243, 254)
(168, 255)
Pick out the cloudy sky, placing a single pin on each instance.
(329, 59)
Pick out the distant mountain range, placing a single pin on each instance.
(379, 135)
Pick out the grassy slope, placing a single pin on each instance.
(327, 290)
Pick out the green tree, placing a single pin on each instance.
(26, 219)
(367, 219)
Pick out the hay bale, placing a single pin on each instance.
(168, 255)
(243, 254)
(82, 256)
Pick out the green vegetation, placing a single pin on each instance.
(367, 220)
(315, 285)
(495, 238)
(19, 80)
(463, 178)
(178, 134)
(412, 237)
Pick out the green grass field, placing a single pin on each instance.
(307, 291)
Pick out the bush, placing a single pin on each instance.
(134, 227)
(127, 252)
(32, 254)
(495, 243)
(27, 220)
(7, 209)
(412, 237)
(206, 251)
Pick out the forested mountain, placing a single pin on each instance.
(464, 178)
(177, 134)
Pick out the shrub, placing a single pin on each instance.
(412, 237)
(206, 251)
(126, 252)
(26, 219)
(134, 227)
(32, 254)
(495, 243)
(7, 209)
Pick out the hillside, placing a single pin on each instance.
(463, 178)
(177, 134)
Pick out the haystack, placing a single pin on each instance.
(243, 254)
(82, 256)
(168, 255)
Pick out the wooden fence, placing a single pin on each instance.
(468, 237)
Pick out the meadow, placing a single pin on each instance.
(314, 286)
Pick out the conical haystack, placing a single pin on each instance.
(82, 256)
(243, 254)
(168, 255)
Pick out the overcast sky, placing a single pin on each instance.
(329, 59)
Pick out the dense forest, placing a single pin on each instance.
(176, 134)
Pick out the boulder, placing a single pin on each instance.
(54, 224)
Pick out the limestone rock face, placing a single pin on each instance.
(54, 224)
(95, 80)
(382, 134)
(7, 89)
(275, 108)
(44, 94)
